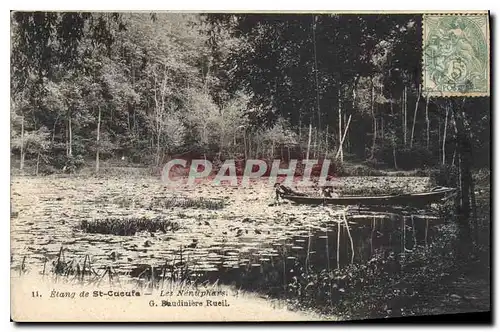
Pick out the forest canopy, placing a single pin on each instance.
(145, 87)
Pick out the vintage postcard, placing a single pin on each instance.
(312, 166)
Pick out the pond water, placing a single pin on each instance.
(252, 265)
(249, 242)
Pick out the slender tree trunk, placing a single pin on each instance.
(465, 163)
(54, 130)
(340, 132)
(135, 123)
(468, 151)
(37, 163)
(315, 144)
(158, 149)
(309, 142)
(439, 138)
(207, 75)
(382, 132)
(394, 153)
(245, 143)
(66, 135)
(128, 119)
(300, 127)
(372, 107)
(326, 142)
(474, 208)
(354, 88)
(454, 124)
(427, 122)
(346, 129)
(405, 96)
(393, 136)
(21, 166)
(249, 154)
(70, 127)
(444, 134)
(316, 70)
(98, 140)
(414, 118)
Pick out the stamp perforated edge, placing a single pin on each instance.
(457, 94)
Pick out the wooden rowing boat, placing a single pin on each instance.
(437, 195)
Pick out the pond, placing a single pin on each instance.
(247, 242)
(270, 266)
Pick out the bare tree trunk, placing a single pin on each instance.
(439, 138)
(249, 154)
(346, 129)
(374, 122)
(405, 96)
(466, 181)
(427, 122)
(70, 149)
(37, 163)
(98, 140)
(468, 153)
(394, 153)
(393, 137)
(66, 136)
(309, 142)
(300, 127)
(454, 124)
(207, 75)
(316, 70)
(340, 132)
(245, 143)
(382, 129)
(326, 142)
(54, 130)
(414, 117)
(21, 166)
(315, 144)
(135, 123)
(355, 86)
(474, 208)
(444, 134)
(157, 125)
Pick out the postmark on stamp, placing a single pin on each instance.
(456, 59)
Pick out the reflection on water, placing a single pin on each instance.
(261, 250)
(252, 266)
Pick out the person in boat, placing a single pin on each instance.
(328, 192)
(282, 190)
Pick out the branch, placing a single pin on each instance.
(343, 137)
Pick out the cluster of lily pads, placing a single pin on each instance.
(128, 226)
(185, 202)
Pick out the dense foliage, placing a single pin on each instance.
(145, 87)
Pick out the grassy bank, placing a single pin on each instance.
(426, 280)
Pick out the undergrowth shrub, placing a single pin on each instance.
(444, 175)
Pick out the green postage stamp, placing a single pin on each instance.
(456, 57)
